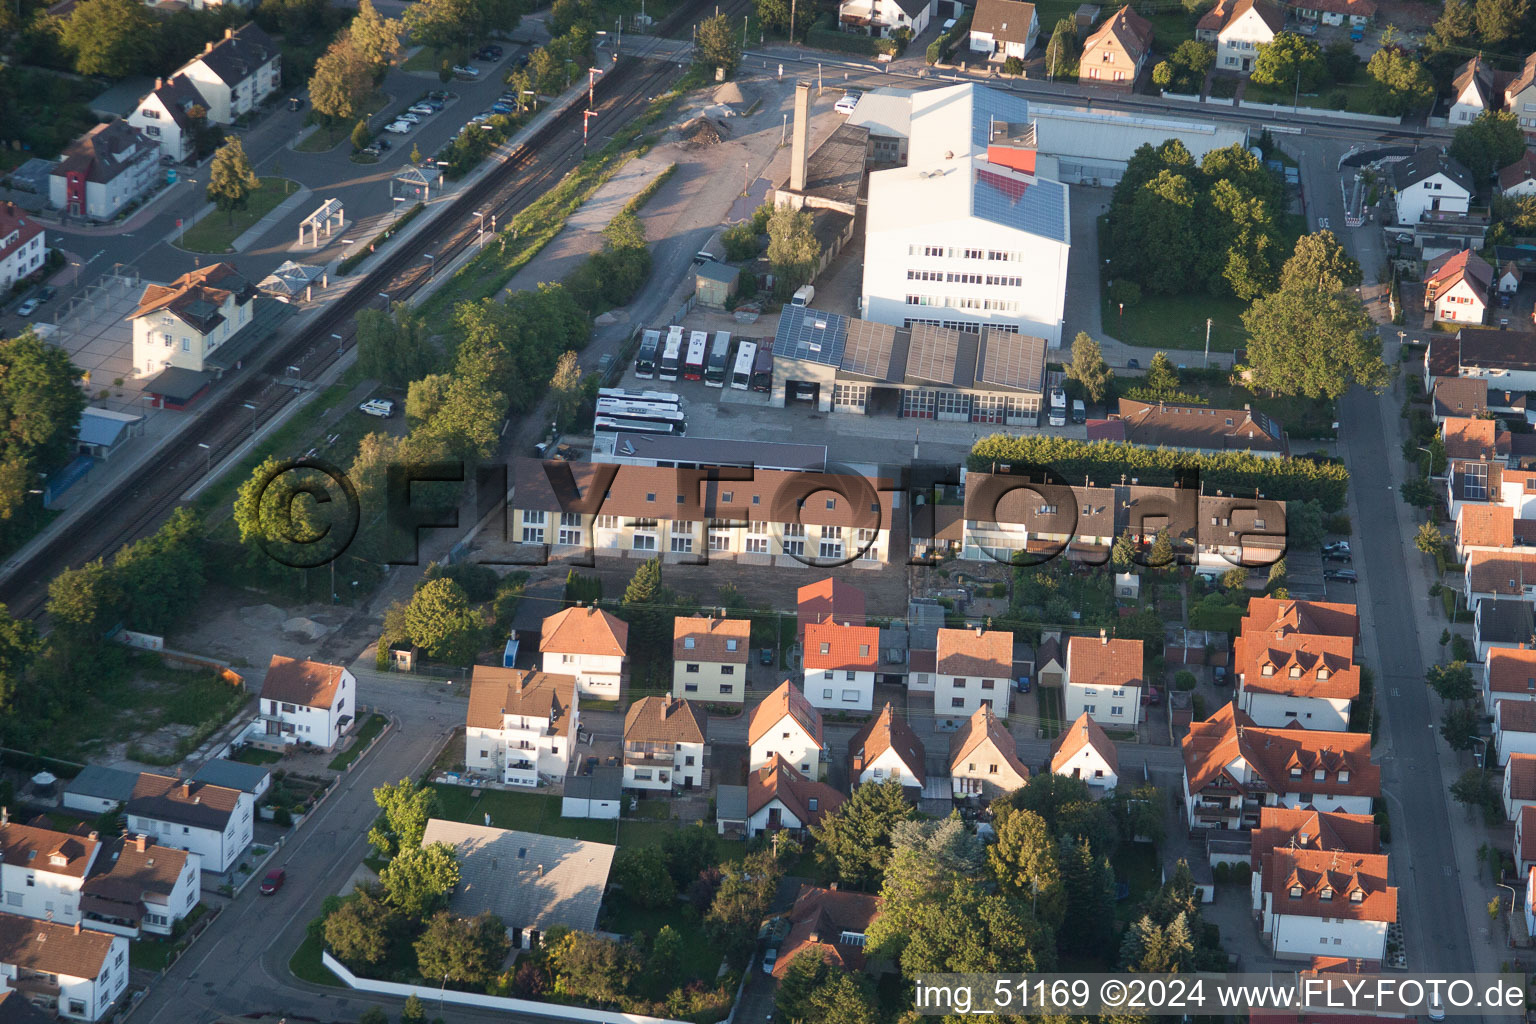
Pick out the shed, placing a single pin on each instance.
(594, 796)
(32, 176)
(731, 811)
(98, 789)
(1127, 586)
(1086, 15)
(418, 183)
(715, 283)
(254, 779)
(102, 431)
(176, 387)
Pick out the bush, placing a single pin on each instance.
(1222, 873)
(1184, 680)
(741, 242)
(1198, 707)
(824, 35)
(1013, 66)
(1128, 292)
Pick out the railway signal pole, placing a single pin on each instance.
(586, 119)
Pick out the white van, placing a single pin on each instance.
(804, 295)
(847, 104)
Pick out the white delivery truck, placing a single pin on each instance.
(1058, 407)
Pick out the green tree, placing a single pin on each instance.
(1315, 344)
(1161, 556)
(1288, 59)
(413, 1012)
(419, 880)
(1088, 883)
(1276, 573)
(373, 1015)
(643, 606)
(360, 135)
(341, 82)
(19, 648)
(161, 576)
(406, 806)
(1162, 378)
(278, 516)
(1062, 53)
(1123, 555)
(1420, 492)
(641, 873)
(1492, 141)
(231, 179)
(1429, 539)
(1235, 578)
(745, 893)
(1502, 21)
(718, 44)
(112, 38)
(775, 15)
(1186, 67)
(376, 38)
(1023, 862)
(593, 969)
(1459, 725)
(947, 844)
(940, 924)
(855, 840)
(1319, 262)
(666, 956)
(466, 950)
(394, 346)
(1399, 83)
(443, 624)
(445, 26)
(792, 248)
(361, 930)
(1452, 682)
(1088, 367)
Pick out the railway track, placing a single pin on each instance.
(135, 507)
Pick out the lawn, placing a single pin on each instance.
(1178, 322)
(1214, 613)
(150, 954)
(365, 735)
(424, 60)
(1303, 418)
(306, 964)
(696, 957)
(256, 755)
(524, 812)
(1050, 700)
(324, 139)
(1137, 865)
(216, 233)
(1169, 29)
(1355, 98)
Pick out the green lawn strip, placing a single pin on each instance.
(150, 954)
(217, 232)
(698, 959)
(306, 964)
(1177, 322)
(365, 735)
(1135, 864)
(1168, 31)
(423, 60)
(1356, 97)
(256, 755)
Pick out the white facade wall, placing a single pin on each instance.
(1436, 192)
(31, 891)
(1114, 706)
(87, 998)
(1295, 935)
(1514, 743)
(160, 919)
(320, 726)
(104, 199)
(1276, 711)
(23, 260)
(1489, 697)
(1038, 302)
(153, 119)
(679, 540)
(888, 765)
(840, 689)
(521, 751)
(1460, 304)
(759, 822)
(596, 675)
(712, 682)
(218, 851)
(890, 18)
(1324, 802)
(687, 770)
(792, 743)
(960, 697)
(1466, 105)
(226, 103)
(1088, 765)
(1237, 46)
(89, 804)
(162, 339)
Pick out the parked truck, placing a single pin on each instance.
(1058, 407)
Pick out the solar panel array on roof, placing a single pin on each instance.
(1036, 205)
(933, 353)
(1011, 360)
(869, 348)
(988, 105)
(813, 335)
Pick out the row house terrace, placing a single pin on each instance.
(1509, 674)
(1476, 450)
(1519, 786)
(761, 517)
(1302, 828)
(521, 726)
(1233, 768)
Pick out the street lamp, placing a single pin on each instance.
(431, 263)
(209, 449)
(251, 406)
(340, 345)
(480, 239)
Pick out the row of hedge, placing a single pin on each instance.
(350, 263)
(825, 35)
(940, 49)
(1230, 472)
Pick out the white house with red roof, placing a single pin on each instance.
(1296, 679)
(1329, 900)
(787, 725)
(1302, 828)
(828, 600)
(22, 244)
(1519, 789)
(305, 702)
(778, 797)
(1514, 728)
(521, 727)
(665, 740)
(1473, 91)
(587, 643)
(79, 972)
(42, 871)
(983, 758)
(180, 324)
(1457, 287)
(887, 748)
(973, 669)
(1084, 751)
(1239, 28)
(840, 663)
(1104, 680)
(1519, 178)
(1525, 839)
(146, 890)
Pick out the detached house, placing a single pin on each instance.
(1430, 182)
(1519, 178)
(520, 726)
(1457, 287)
(973, 669)
(887, 748)
(1117, 50)
(1509, 674)
(1199, 428)
(1519, 790)
(236, 74)
(883, 18)
(42, 871)
(1001, 29)
(1296, 679)
(1520, 96)
(73, 972)
(1232, 768)
(1084, 751)
(664, 744)
(709, 659)
(830, 600)
(787, 725)
(104, 170)
(214, 822)
(1514, 728)
(306, 702)
(22, 244)
(1327, 900)
(1238, 28)
(780, 797)
(146, 891)
(170, 115)
(587, 643)
(829, 924)
(1484, 528)
(840, 664)
(1472, 92)
(983, 759)
(180, 324)
(1104, 680)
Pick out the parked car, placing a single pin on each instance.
(1338, 545)
(383, 408)
(604, 364)
(27, 308)
(1337, 556)
(381, 143)
(1023, 684)
(373, 151)
(770, 957)
(466, 70)
(765, 656)
(847, 104)
(46, 293)
(1151, 695)
(408, 118)
(501, 108)
(1340, 575)
(398, 127)
(273, 882)
(1219, 676)
(424, 109)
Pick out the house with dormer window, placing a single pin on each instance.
(1296, 679)
(787, 725)
(887, 748)
(1329, 902)
(1233, 768)
(42, 871)
(709, 659)
(180, 324)
(779, 797)
(1499, 575)
(830, 924)
(1287, 828)
(840, 663)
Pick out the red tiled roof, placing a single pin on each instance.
(1298, 664)
(778, 780)
(1287, 615)
(1520, 776)
(1511, 670)
(310, 684)
(1523, 169)
(1467, 438)
(1443, 274)
(42, 849)
(1100, 661)
(975, 653)
(887, 732)
(1502, 573)
(50, 948)
(819, 919)
(718, 641)
(495, 691)
(1131, 33)
(829, 645)
(985, 727)
(1490, 526)
(1084, 732)
(1230, 735)
(1309, 829)
(829, 599)
(584, 631)
(14, 219)
(786, 700)
(665, 719)
(1329, 880)
(1515, 715)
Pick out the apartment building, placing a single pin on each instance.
(587, 643)
(236, 74)
(105, 170)
(1291, 678)
(665, 742)
(709, 659)
(214, 822)
(305, 702)
(521, 727)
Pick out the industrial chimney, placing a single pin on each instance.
(800, 145)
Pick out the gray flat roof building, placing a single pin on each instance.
(692, 452)
(249, 778)
(103, 783)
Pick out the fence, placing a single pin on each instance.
(502, 1003)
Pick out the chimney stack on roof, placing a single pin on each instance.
(208, 46)
(77, 927)
(141, 842)
(159, 84)
(1104, 637)
(229, 33)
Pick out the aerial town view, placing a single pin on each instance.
(767, 511)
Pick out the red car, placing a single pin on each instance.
(273, 882)
(1151, 696)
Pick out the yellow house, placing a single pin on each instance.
(709, 659)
